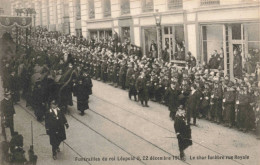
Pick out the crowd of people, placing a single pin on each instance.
(54, 66)
(216, 97)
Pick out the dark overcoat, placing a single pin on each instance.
(54, 125)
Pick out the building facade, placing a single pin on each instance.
(198, 26)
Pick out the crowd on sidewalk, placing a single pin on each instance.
(202, 91)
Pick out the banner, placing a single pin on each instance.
(9, 21)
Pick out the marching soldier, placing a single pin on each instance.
(54, 123)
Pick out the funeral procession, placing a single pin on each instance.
(126, 82)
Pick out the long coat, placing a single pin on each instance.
(54, 125)
(81, 91)
(8, 112)
(172, 95)
(193, 103)
(183, 131)
(229, 106)
(142, 89)
(129, 73)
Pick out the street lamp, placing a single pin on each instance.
(157, 17)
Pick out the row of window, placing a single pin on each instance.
(147, 6)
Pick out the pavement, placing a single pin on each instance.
(116, 130)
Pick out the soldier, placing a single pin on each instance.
(229, 105)
(182, 131)
(132, 90)
(192, 104)
(216, 97)
(205, 104)
(7, 113)
(142, 89)
(129, 73)
(116, 67)
(104, 70)
(122, 74)
(242, 105)
(54, 123)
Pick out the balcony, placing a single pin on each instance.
(173, 4)
(209, 2)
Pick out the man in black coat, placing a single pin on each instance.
(172, 94)
(81, 91)
(182, 131)
(7, 113)
(142, 89)
(193, 103)
(54, 123)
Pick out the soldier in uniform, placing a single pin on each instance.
(104, 71)
(54, 123)
(142, 89)
(182, 131)
(122, 74)
(242, 106)
(132, 90)
(129, 73)
(229, 105)
(193, 103)
(7, 113)
(216, 96)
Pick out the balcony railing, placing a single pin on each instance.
(209, 2)
(173, 4)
